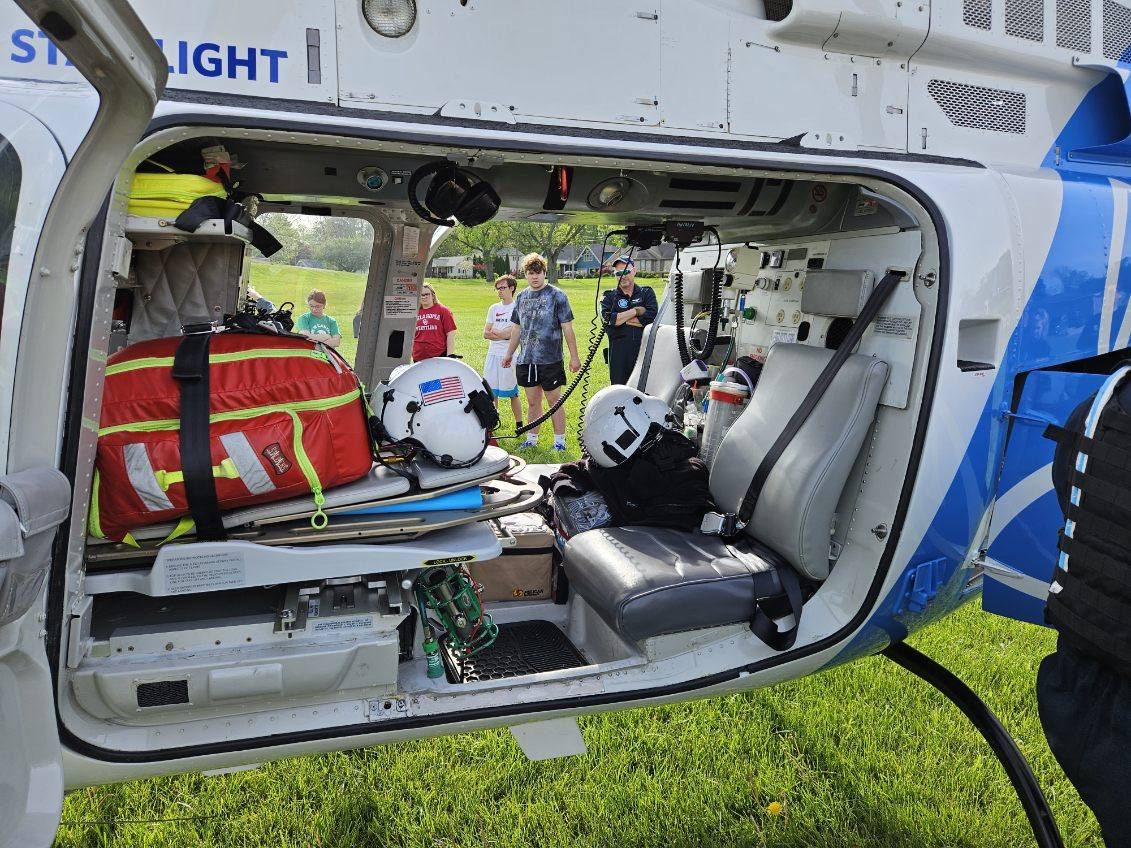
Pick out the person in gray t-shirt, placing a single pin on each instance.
(541, 317)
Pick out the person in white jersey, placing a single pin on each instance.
(502, 380)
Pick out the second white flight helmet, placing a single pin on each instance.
(619, 421)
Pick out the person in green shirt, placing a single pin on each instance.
(316, 325)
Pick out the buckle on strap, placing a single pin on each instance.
(721, 524)
(197, 329)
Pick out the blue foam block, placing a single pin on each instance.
(469, 498)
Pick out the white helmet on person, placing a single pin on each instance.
(619, 421)
(439, 406)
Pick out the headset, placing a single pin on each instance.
(455, 195)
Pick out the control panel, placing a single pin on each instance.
(770, 283)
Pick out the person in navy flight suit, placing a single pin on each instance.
(626, 311)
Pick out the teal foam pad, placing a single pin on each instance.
(469, 498)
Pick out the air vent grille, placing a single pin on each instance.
(980, 108)
(977, 13)
(162, 693)
(1074, 25)
(778, 10)
(1025, 19)
(1117, 30)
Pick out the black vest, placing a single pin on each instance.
(1092, 608)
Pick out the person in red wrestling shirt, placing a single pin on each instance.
(435, 328)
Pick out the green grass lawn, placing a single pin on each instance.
(862, 755)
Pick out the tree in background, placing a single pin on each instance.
(551, 239)
(484, 241)
(342, 244)
(283, 228)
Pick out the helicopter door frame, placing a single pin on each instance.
(107, 43)
(31, 771)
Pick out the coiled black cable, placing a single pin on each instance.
(716, 302)
(686, 354)
(677, 302)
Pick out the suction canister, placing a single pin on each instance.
(726, 399)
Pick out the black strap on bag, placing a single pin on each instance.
(872, 306)
(190, 370)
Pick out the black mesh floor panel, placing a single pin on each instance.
(524, 647)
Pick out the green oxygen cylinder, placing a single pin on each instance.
(432, 652)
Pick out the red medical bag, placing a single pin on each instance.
(286, 417)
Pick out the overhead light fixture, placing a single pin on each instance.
(618, 194)
(610, 192)
(390, 18)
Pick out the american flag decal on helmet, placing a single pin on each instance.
(436, 391)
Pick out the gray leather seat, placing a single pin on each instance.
(663, 373)
(644, 581)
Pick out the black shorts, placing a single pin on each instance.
(549, 375)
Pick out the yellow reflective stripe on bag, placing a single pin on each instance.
(226, 469)
(168, 195)
(213, 358)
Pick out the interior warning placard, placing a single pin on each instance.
(410, 241)
(186, 573)
(400, 306)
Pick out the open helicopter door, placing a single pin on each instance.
(46, 206)
(1021, 550)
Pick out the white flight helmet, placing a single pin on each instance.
(439, 405)
(619, 421)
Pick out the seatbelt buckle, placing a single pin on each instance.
(720, 524)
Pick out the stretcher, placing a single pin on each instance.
(275, 543)
(381, 486)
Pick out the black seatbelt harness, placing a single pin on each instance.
(190, 370)
(731, 524)
(769, 587)
(777, 593)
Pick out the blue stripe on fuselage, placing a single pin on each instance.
(1065, 302)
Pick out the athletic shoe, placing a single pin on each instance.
(559, 446)
(531, 441)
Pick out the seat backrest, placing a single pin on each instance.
(794, 514)
(663, 374)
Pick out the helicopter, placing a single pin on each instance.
(929, 196)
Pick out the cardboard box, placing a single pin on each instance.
(523, 572)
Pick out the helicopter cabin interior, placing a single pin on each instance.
(166, 644)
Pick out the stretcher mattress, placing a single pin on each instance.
(335, 542)
(380, 485)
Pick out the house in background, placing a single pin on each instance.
(452, 267)
(582, 260)
(655, 260)
(512, 256)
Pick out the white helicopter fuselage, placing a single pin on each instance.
(990, 143)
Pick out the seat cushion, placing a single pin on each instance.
(663, 372)
(794, 515)
(645, 581)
